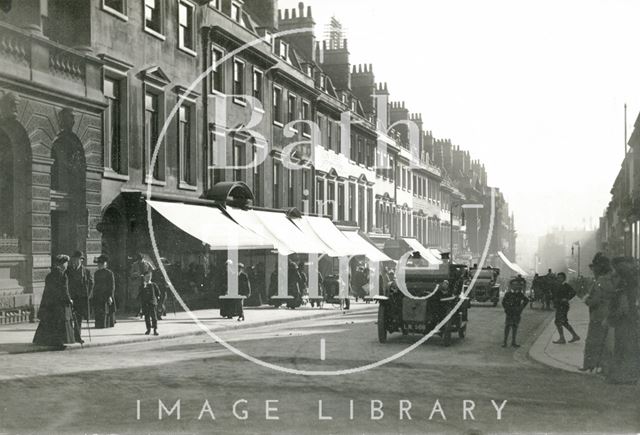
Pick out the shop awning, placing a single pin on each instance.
(426, 253)
(366, 248)
(210, 225)
(512, 266)
(276, 227)
(326, 233)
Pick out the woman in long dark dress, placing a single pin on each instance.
(624, 367)
(104, 288)
(56, 325)
(597, 300)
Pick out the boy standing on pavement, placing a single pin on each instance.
(563, 295)
(513, 302)
(148, 297)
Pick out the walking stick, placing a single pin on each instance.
(88, 313)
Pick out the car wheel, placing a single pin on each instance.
(382, 324)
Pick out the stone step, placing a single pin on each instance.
(8, 283)
(5, 272)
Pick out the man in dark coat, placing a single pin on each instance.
(56, 325)
(293, 286)
(563, 294)
(80, 285)
(244, 289)
(103, 296)
(513, 302)
(549, 283)
(148, 296)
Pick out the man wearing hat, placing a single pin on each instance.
(103, 296)
(80, 285)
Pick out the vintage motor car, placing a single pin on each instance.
(400, 313)
(486, 288)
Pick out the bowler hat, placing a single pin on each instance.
(102, 259)
(78, 254)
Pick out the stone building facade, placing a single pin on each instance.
(102, 101)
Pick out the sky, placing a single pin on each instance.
(534, 89)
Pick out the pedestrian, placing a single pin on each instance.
(513, 302)
(254, 299)
(563, 295)
(148, 296)
(622, 319)
(536, 290)
(549, 282)
(244, 289)
(55, 312)
(597, 301)
(103, 295)
(303, 283)
(80, 285)
(293, 286)
(163, 288)
(138, 268)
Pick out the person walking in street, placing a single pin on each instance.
(148, 296)
(138, 268)
(624, 367)
(80, 285)
(55, 312)
(549, 283)
(244, 289)
(293, 286)
(513, 302)
(103, 296)
(597, 301)
(564, 293)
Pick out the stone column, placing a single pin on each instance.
(27, 15)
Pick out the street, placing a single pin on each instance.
(118, 389)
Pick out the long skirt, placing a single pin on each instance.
(105, 315)
(624, 360)
(594, 346)
(55, 330)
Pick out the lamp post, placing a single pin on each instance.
(462, 206)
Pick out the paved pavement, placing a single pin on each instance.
(17, 338)
(97, 390)
(563, 356)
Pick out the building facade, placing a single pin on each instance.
(175, 96)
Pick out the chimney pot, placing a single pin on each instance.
(370, 67)
(293, 13)
(279, 14)
(345, 43)
(286, 14)
(301, 8)
(309, 14)
(360, 68)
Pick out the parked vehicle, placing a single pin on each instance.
(440, 287)
(486, 287)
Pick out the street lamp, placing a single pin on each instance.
(463, 206)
